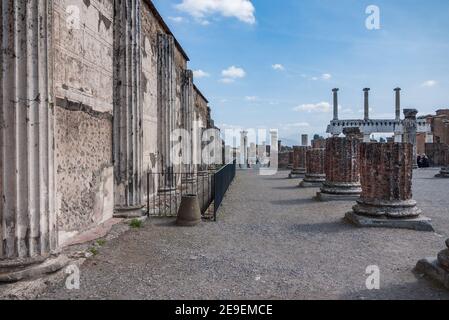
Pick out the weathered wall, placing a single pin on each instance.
(83, 115)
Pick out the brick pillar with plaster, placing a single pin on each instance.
(315, 175)
(386, 178)
(299, 161)
(341, 167)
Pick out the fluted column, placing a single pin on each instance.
(128, 134)
(28, 232)
(166, 108)
(187, 105)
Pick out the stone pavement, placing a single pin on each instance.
(271, 241)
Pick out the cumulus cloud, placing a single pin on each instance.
(200, 74)
(278, 67)
(250, 98)
(429, 83)
(243, 10)
(230, 74)
(314, 107)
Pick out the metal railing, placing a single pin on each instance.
(222, 180)
(165, 191)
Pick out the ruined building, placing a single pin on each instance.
(90, 93)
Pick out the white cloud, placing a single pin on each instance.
(250, 98)
(278, 67)
(176, 19)
(429, 83)
(200, 74)
(317, 107)
(240, 9)
(326, 76)
(233, 73)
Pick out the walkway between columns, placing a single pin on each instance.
(271, 241)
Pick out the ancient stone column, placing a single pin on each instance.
(335, 96)
(398, 103)
(386, 179)
(128, 133)
(274, 151)
(366, 103)
(166, 100)
(187, 110)
(243, 149)
(436, 268)
(341, 167)
(28, 232)
(410, 127)
(315, 175)
(304, 140)
(299, 161)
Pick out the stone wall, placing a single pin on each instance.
(438, 153)
(83, 68)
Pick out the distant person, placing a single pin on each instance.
(419, 161)
(425, 162)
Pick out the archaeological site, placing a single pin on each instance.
(218, 150)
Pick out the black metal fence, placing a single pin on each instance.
(165, 191)
(222, 180)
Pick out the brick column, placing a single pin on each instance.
(410, 127)
(437, 268)
(341, 167)
(386, 179)
(299, 161)
(28, 225)
(315, 175)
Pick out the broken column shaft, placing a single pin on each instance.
(386, 179)
(436, 268)
(299, 161)
(315, 175)
(341, 167)
(410, 128)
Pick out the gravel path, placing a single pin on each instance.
(271, 242)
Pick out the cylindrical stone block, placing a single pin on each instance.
(315, 175)
(386, 178)
(341, 166)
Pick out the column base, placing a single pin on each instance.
(313, 181)
(18, 270)
(444, 173)
(433, 269)
(417, 224)
(339, 191)
(297, 173)
(129, 212)
(388, 209)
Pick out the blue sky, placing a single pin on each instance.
(287, 55)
